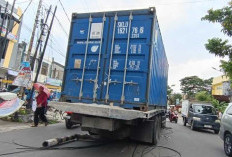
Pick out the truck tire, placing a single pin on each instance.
(160, 126)
(156, 131)
(228, 145)
(68, 124)
(163, 122)
(184, 121)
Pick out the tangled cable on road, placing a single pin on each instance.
(149, 149)
(26, 148)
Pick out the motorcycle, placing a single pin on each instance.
(173, 117)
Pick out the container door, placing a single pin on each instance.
(86, 50)
(127, 66)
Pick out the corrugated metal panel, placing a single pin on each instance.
(159, 70)
(113, 66)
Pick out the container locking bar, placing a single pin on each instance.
(111, 56)
(115, 81)
(99, 59)
(131, 83)
(127, 51)
(86, 51)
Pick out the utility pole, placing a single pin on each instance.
(1, 37)
(33, 31)
(44, 48)
(39, 40)
(3, 19)
(3, 47)
(7, 29)
(42, 55)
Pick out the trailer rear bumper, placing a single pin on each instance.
(105, 111)
(116, 122)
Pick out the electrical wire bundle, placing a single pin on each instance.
(149, 149)
(47, 147)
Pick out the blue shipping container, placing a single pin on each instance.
(116, 57)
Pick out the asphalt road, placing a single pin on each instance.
(177, 137)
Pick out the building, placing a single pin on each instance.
(14, 53)
(9, 51)
(51, 73)
(221, 88)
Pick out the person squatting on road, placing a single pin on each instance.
(41, 101)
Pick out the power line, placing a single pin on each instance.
(57, 51)
(21, 15)
(189, 2)
(61, 26)
(22, 2)
(64, 11)
(57, 41)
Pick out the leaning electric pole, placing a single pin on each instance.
(45, 46)
(33, 31)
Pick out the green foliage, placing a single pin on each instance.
(221, 16)
(52, 121)
(203, 96)
(22, 112)
(221, 106)
(173, 97)
(227, 67)
(193, 84)
(169, 90)
(217, 46)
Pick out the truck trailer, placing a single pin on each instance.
(115, 79)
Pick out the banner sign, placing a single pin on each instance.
(9, 107)
(12, 72)
(10, 36)
(53, 82)
(24, 78)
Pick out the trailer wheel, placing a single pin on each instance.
(156, 131)
(163, 121)
(160, 126)
(68, 124)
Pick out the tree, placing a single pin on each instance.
(174, 97)
(203, 96)
(193, 84)
(220, 106)
(169, 90)
(217, 46)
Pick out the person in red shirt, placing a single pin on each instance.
(41, 101)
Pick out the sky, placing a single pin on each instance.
(183, 32)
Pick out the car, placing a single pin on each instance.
(226, 130)
(200, 115)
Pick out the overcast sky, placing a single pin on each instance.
(184, 34)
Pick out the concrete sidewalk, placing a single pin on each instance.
(6, 126)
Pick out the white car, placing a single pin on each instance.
(226, 130)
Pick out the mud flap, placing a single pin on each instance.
(143, 132)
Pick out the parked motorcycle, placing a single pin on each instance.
(173, 117)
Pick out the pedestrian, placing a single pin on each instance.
(41, 101)
(219, 115)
